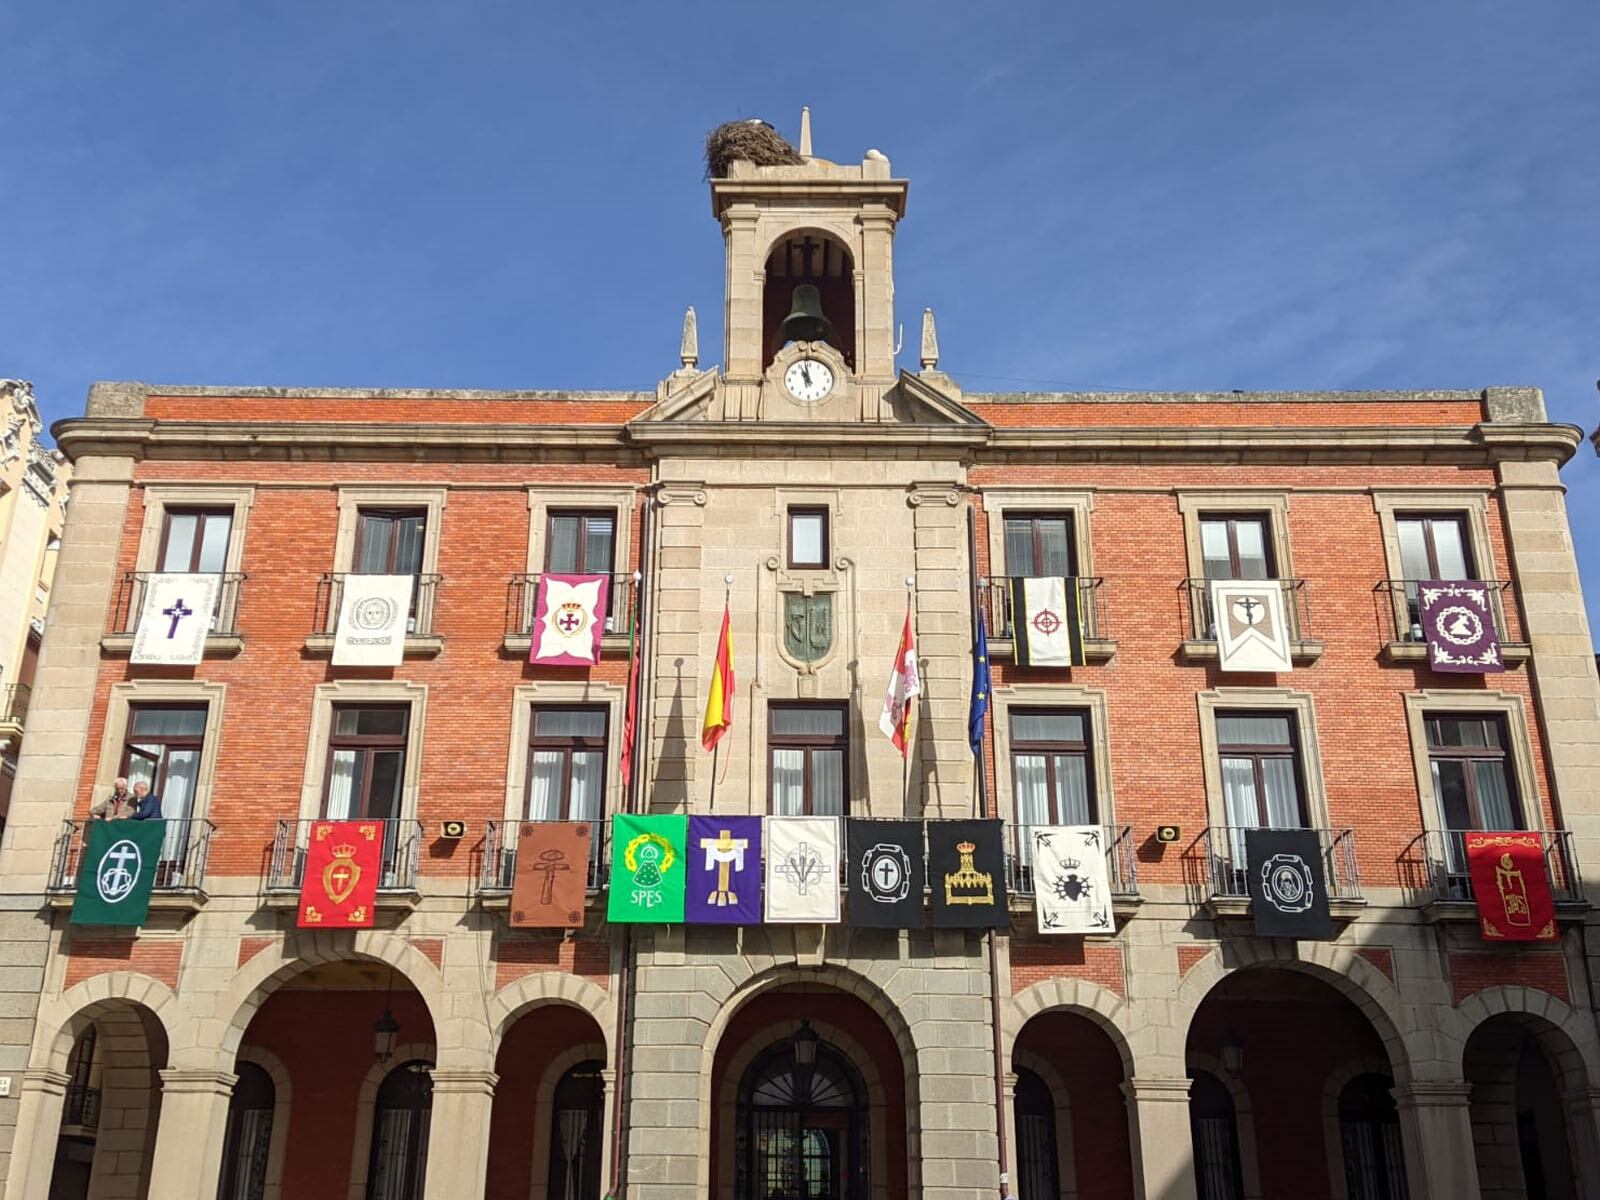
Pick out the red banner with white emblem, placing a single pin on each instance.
(569, 617)
(340, 886)
(1510, 886)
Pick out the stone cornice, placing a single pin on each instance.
(804, 437)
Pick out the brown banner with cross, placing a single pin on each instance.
(552, 874)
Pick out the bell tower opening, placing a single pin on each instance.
(809, 295)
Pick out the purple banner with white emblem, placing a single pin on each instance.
(724, 880)
(1458, 623)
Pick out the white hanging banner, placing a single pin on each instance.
(1071, 881)
(373, 613)
(802, 870)
(175, 617)
(1252, 633)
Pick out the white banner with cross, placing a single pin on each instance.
(174, 618)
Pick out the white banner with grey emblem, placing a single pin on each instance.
(802, 883)
(1252, 630)
(174, 618)
(373, 613)
(1071, 880)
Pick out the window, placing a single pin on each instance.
(808, 749)
(808, 538)
(1260, 760)
(803, 1129)
(1434, 547)
(1237, 546)
(1369, 1135)
(1051, 774)
(1471, 781)
(567, 764)
(249, 1137)
(400, 1121)
(1037, 1164)
(1215, 1129)
(389, 541)
(581, 543)
(366, 762)
(195, 540)
(576, 1119)
(163, 748)
(1040, 545)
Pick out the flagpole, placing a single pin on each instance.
(716, 749)
(905, 754)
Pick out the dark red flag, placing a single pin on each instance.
(1510, 886)
(630, 706)
(343, 862)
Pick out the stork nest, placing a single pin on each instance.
(753, 141)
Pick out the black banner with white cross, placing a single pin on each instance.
(886, 873)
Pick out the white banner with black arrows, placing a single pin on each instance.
(174, 618)
(373, 613)
(802, 883)
(1071, 881)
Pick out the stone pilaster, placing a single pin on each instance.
(1158, 1126)
(942, 771)
(680, 664)
(190, 1134)
(41, 1097)
(1436, 1125)
(458, 1133)
(1583, 1131)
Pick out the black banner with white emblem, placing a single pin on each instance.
(1288, 887)
(886, 870)
(966, 875)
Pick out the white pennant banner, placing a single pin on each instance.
(1252, 633)
(175, 617)
(1071, 881)
(802, 870)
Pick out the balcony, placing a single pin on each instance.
(499, 870)
(1121, 867)
(994, 600)
(522, 596)
(1397, 611)
(421, 640)
(14, 699)
(180, 871)
(397, 872)
(1200, 627)
(1434, 868)
(1224, 871)
(223, 639)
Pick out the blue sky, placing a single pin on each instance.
(1159, 195)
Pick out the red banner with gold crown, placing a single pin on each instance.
(1510, 886)
(340, 886)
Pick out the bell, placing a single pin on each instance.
(805, 322)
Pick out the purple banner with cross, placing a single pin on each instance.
(724, 879)
(1458, 623)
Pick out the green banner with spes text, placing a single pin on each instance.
(647, 871)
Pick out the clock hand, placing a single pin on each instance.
(805, 374)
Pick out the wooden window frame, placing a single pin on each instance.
(167, 741)
(1034, 516)
(1257, 751)
(1457, 517)
(392, 513)
(204, 513)
(566, 745)
(1500, 754)
(368, 743)
(1232, 520)
(822, 513)
(1084, 749)
(809, 742)
(583, 515)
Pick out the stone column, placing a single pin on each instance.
(1583, 1131)
(33, 1151)
(608, 1144)
(942, 769)
(1014, 1140)
(1163, 1150)
(685, 618)
(458, 1133)
(1436, 1127)
(190, 1133)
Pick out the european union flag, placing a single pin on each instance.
(980, 690)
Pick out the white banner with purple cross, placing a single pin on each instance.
(175, 617)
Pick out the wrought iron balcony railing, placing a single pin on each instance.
(1201, 623)
(14, 699)
(1399, 612)
(330, 593)
(1435, 867)
(81, 1106)
(402, 850)
(500, 854)
(123, 620)
(522, 597)
(1120, 866)
(180, 869)
(994, 598)
(1225, 865)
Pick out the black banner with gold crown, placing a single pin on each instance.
(966, 873)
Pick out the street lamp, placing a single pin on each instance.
(385, 1034)
(805, 1057)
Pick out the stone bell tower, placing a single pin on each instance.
(828, 230)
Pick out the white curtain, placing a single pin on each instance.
(587, 772)
(544, 788)
(788, 782)
(827, 783)
(343, 784)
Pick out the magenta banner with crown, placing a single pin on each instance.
(1458, 623)
(569, 618)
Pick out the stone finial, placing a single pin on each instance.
(930, 341)
(689, 347)
(805, 133)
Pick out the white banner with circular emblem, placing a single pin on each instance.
(373, 613)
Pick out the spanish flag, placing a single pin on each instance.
(719, 699)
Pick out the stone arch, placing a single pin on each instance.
(465, 1037)
(1332, 1087)
(367, 1102)
(544, 1100)
(538, 988)
(282, 1102)
(1244, 1119)
(1572, 1042)
(1100, 1005)
(1368, 988)
(61, 1020)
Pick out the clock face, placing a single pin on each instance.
(808, 380)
